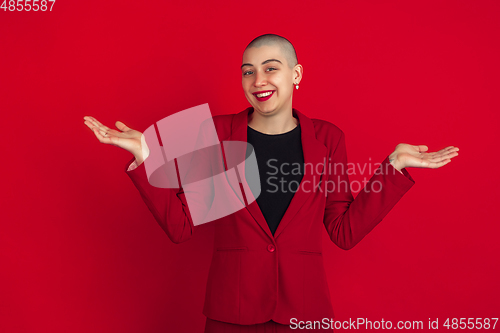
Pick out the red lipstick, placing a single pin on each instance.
(263, 99)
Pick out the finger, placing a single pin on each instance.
(440, 158)
(442, 152)
(448, 153)
(451, 155)
(114, 133)
(122, 127)
(447, 149)
(435, 165)
(101, 137)
(89, 124)
(92, 119)
(93, 126)
(103, 133)
(429, 155)
(421, 148)
(96, 123)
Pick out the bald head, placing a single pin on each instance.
(274, 40)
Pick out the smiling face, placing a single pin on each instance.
(268, 80)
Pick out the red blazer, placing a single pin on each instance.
(254, 276)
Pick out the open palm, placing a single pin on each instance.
(407, 155)
(125, 137)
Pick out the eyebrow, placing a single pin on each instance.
(265, 62)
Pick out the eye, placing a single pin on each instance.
(272, 68)
(247, 72)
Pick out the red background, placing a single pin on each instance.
(80, 252)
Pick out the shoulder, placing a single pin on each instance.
(321, 125)
(221, 123)
(223, 119)
(327, 133)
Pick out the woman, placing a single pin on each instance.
(267, 272)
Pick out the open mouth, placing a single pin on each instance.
(262, 96)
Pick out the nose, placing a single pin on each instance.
(260, 79)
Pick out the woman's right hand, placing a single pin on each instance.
(126, 138)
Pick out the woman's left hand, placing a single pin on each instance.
(406, 155)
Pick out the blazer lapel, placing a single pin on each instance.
(315, 160)
(314, 155)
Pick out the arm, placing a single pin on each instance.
(133, 165)
(169, 206)
(348, 220)
(137, 161)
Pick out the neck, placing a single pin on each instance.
(273, 124)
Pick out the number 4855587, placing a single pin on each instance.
(27, 5)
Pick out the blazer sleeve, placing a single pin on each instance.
(169, 206)
(348, 220)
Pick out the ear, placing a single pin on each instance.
(298, 71)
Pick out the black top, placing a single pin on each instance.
(281, 167)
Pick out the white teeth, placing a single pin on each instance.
(264, 94)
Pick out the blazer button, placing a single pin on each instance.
(271, 248)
